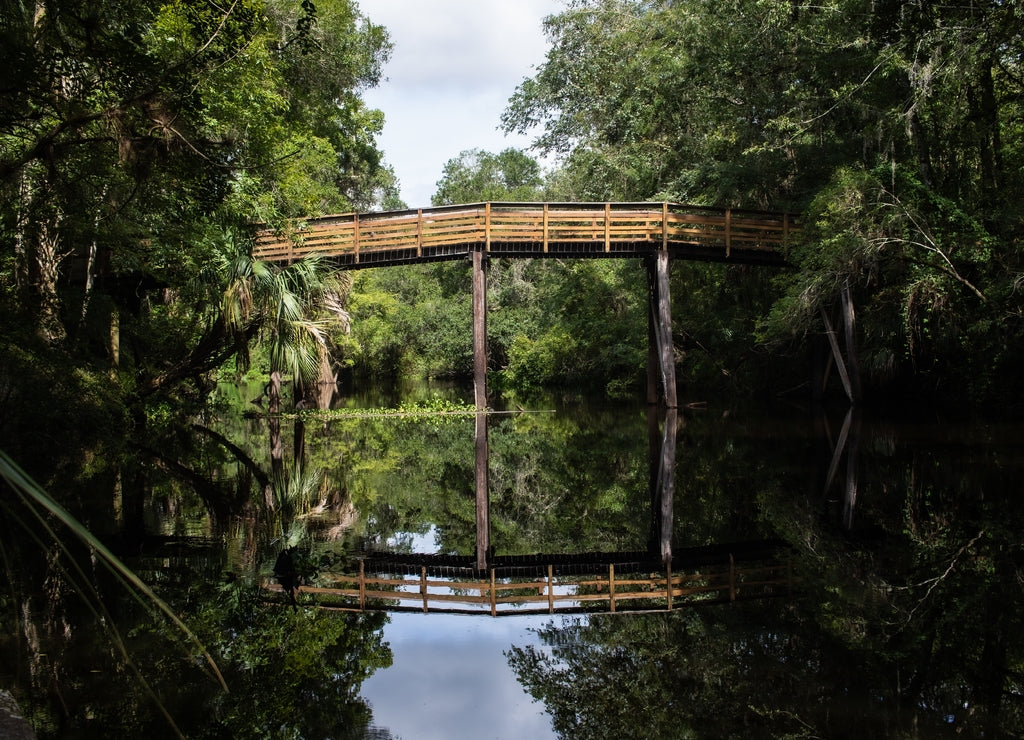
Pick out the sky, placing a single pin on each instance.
(454, 65)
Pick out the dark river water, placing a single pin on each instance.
(902, 614)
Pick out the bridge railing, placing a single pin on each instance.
(501, 595)
(495, 225)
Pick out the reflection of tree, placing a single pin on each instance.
(558, 482)
(289, 672)
(910, 625)
(725, 672)
(292, 673)
(689, 674)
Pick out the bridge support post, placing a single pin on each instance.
(483, 521)
(660, 326)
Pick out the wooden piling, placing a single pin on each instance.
(480, 399)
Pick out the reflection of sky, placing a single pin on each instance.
(450, 679)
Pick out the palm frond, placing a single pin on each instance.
(35, 498)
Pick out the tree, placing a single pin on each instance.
(476, 175)
(141, 141)
(771, 105)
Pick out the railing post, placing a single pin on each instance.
(355, 235)
(607, 227)
(494, 598)
(664, 225)
(423, 586)
(544, 228)
(611, 586)
(551, 589)
(487, 226)
(728, 231)
(362, 584)
(668, 585)
(419, 232)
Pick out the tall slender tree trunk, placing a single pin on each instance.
(37, 254)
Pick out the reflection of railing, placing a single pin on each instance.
(497, 595)
(533, 229)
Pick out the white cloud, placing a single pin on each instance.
(454, 65)
(450, 679)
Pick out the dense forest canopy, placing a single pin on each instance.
(894, 127)
(139, 143)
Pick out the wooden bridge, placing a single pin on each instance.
(358, 240)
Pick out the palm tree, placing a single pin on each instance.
(291, 308)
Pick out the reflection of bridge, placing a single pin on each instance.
(545, 584)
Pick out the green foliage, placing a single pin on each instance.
(894, 127)
(476, 176)
(140, 145)
(314, 660)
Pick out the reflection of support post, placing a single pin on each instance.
(653, 341)
(483, 515)
(667, 482)
(480, 399)
(654, 477)
(848, 442)
(661, 323)
(850, 493)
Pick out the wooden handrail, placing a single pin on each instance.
(549, 593)
(495, 226)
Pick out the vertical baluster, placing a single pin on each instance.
(544, 228)
(355, 235)
(419, 232)
(728, 231)
(362, 585)
(607, 227)
(611, 586)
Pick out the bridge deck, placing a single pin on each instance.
(535, 230)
